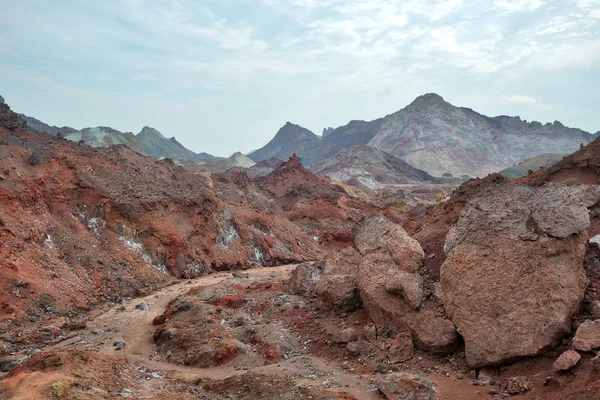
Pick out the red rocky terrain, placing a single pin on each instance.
(128, 277)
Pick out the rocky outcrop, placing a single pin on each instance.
(9, 119)
(514, 276)
(587, 337)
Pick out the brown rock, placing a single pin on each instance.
(359, 347)
(402, 348)
(346, 335)
(587, 337)
(518, 385)
(596, 307)
(566, 360)
(408, 286)
(304, 279)
(431, 332)
(337, 287)
(595, 362)
(515, 264)
(384, 308)
(403, 385)
(377, 234)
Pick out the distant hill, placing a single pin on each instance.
(438, 137)
(371, 168)
(153, 143)
(50, 130)
(290, 139)
(532, 164)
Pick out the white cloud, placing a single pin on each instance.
(591, 7)
(145, 78)
(558, 24)
(526, 100)
(511, 6)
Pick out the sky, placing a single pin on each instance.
(224, 75)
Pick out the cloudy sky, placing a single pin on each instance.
(224, 75)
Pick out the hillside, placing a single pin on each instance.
(154, 144)
(43, 127)
(290, 139)
(531, 164)
(103, 136)
(370, 167)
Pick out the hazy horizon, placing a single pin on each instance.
(225, 77)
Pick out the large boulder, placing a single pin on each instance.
(377, 234)
(337, 289)
(514, 275)
(587, 337)
(390, 288)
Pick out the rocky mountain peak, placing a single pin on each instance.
(327, 131)
(428, 99)
(150, 132)
(290, 139)
(1, 100)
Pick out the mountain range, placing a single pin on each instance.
(429, 134)
(438, 137)
(149, 141)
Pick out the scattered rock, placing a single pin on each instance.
(34, 159)
(119, 344)
(304, 279)
(518, 385)
(358, 347)
(97, 332)
(22, 283)
(403, 385)
(402, 348)
(515, 264)
(8, 365)
(566, 360)
(587, 337)
(346, 335)
(142, 306)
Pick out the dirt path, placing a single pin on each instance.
(134, 327)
